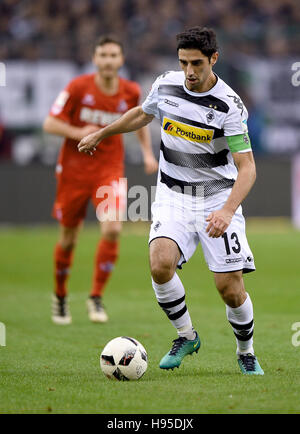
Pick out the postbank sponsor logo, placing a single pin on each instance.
(193, 134)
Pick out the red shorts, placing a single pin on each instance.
(108, 195)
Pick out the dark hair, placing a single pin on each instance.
(199, 38)
(108, 39)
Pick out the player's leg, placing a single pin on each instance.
(170, 294)
(228, 257)
(105, 259)
(63, 257)
(69, 209)
(109, 199)
(239, 311)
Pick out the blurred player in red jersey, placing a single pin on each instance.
(90, 101)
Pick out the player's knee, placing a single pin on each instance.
(230, 287)
(68, 238)
(111, 232)
(162, 270)
(112, 235)
(230, 296)
(161, 274)
(67, 244)
(164, 257)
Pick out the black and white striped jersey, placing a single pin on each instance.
(199, 132)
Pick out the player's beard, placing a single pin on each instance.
(199, 83)
(193, 85)
(108, 73)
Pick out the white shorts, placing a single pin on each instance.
(225, 254)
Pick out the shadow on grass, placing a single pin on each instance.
(192, 373)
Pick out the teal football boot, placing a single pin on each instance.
(181, 348)
(249, 365)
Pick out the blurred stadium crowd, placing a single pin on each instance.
(259, 42)
(56, 29)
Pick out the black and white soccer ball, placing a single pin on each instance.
(124, 359)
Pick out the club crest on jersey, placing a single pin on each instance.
(122, 107)
(210, 116)
(192, 134)
(88, 99)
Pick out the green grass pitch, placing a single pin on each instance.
(46, 368)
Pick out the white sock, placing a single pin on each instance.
(241, 320)
(171, 298)
(187, 332)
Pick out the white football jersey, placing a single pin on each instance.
(199, 131)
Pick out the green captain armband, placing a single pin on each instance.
(240, 142)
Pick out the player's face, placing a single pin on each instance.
(108, 58)
(196, 66)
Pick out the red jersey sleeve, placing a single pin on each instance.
(136, 94)
(132, 93)
(65, 104)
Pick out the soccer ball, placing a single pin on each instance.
(124, 359)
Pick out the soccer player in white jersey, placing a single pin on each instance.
(206, 164)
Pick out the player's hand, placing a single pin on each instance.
(150, 164)
(86, 130)
(88, 144)
(218, 222)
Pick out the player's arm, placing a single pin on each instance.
(245, 180)
(150, 162)
(53, 125)
(132, 120)
(239, 144)
(220, 220)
